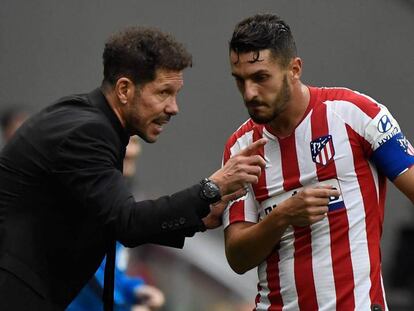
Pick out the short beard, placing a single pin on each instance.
(279, 103)
(132, 121)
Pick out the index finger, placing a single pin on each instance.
(326, 191)
(253, 148)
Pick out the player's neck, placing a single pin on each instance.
(285, 124)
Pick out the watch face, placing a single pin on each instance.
(212, 190)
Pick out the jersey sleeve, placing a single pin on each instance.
(244, 208)
(391, 151)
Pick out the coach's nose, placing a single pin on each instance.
(172, 107)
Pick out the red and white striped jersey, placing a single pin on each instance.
(344, 138)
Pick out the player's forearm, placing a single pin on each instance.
(248, 246)
(405, 183)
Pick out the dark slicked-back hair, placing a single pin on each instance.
(261, 32)
(138, 52)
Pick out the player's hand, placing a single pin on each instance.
(214, 218)
(243, 168)
(150, 297)
(307, 206)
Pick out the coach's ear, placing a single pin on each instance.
(124, 90)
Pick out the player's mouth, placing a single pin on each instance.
(254, 104)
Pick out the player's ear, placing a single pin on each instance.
(295, 68)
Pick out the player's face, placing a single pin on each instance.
(154, 104)
(262, 83)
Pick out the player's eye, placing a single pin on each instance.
(260, 78)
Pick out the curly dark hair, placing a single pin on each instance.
(138, 52)
(261, 32)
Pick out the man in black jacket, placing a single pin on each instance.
(63, 200)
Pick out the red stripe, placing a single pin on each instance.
(305, 284)
(338, 223)
(382, 186)
(273, 281)
(303, 269)
(369, 107)
(236, 212)
(341, 260)
(290, 166)
(374, 213)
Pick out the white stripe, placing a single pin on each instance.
(349, 113)
(322, 265)
(322, 155)
(306, 166)
(242, 142)
(274, 177)
(264, 302)
(355, 209)
(328, 149)
(287, 272)
(364, 125)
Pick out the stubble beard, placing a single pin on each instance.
(133, 122)
(279, 105)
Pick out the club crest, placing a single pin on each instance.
(406, 146)
(322, 149)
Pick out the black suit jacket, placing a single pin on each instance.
(63, 196)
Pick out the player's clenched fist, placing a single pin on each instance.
(307, 206)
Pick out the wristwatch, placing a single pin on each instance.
(209, 191)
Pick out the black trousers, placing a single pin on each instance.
(16, 295)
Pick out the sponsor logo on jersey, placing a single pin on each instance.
(384, 124)
(322, 149)
(387, 137)
(335, 203)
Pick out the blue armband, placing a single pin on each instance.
(394, 156)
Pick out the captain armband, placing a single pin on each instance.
(394, 156)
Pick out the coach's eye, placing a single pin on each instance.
(164, 93)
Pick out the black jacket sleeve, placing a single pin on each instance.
(86, 165)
